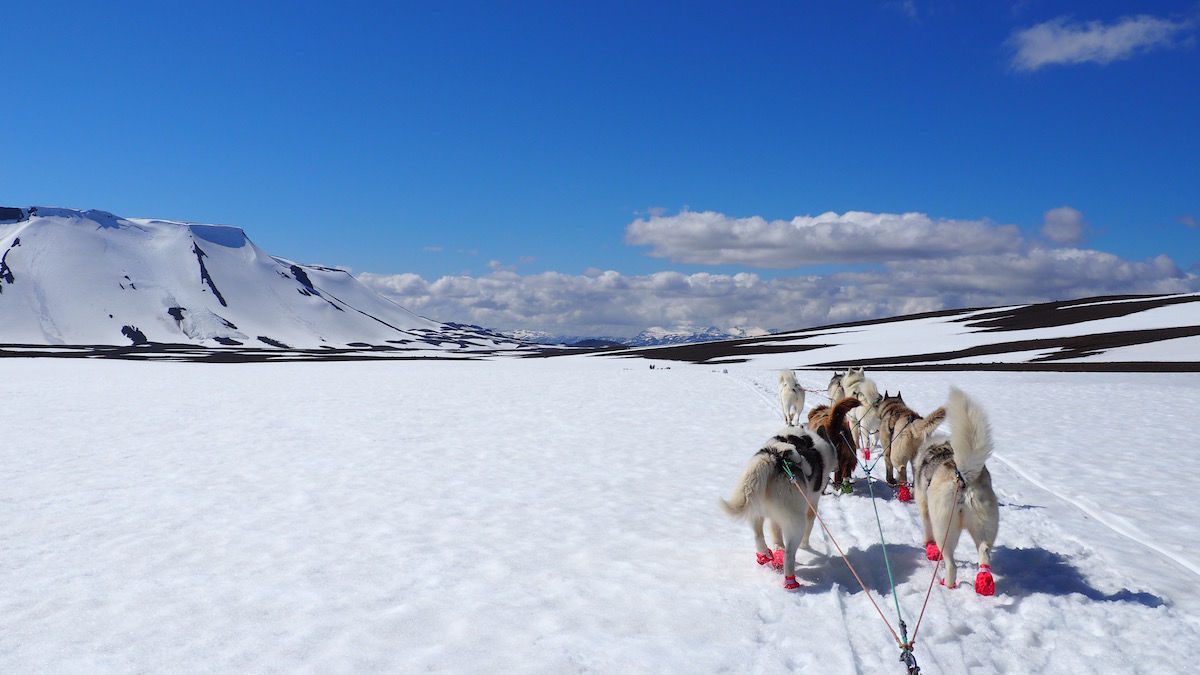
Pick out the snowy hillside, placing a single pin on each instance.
(72, 277)
(1158, 332)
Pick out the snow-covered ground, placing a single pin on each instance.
(557, 516)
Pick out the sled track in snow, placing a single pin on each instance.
(1101, 518)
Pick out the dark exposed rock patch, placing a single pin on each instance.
(135, 336)
(274, 343)
(1051, 314)
(6, 274)
(204, 276)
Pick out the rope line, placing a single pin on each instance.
(813, 508)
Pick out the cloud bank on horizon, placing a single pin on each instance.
(915, 263)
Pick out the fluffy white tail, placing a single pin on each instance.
(752, 483)
(970, 434)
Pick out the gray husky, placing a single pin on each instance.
(954, 489)
(794, 463)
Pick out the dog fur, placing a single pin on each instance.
(851, 379)
(975, 509)
(864, 420)
(791, 398)
(765, 492)
(901, 433)
(836, 391)
(837, 429)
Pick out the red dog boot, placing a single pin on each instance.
(789, 584)
(984, 583)
(905, 494)
(932, 552)
(943, 582)
(867, 454)
(777, 561)
(763, 558)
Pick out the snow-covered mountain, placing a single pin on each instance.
(70, 277)
(651, 337)
(655, 336)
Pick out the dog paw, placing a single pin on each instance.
(932, 552)
(984, 583)
(763, 558)
(790, 584)
(904, 494)
(951, 586)
(777, 559)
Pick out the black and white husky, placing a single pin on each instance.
(954, 489)
(791, 398)
(793, 464)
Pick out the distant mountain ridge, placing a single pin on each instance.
(72, 277)
(651, 337)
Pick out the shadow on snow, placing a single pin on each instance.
(1026, 571)
(1021, 572)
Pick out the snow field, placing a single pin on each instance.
(549, 516)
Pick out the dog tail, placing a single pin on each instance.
(752, 484)
(837, 418)
(970, 434)
(928, 423)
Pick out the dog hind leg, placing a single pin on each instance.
(948, 526)
(982, 528)
(789, 557)
(809, 516)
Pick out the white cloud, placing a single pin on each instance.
(610, 303)
(708, 237)
(1064, 225)
(1062, 41)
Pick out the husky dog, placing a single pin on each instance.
(836, 391)
(837, 429)
(851, 379)
(954, 490)
(791, 398)
(771, 486)
(865, 419)
(901, 432)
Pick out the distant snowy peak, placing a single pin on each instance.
(656, 336)
(651, 337)
(71, 277)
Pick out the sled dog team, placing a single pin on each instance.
(783, 482)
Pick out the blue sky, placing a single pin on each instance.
(475, 159)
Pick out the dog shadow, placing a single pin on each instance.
(823, 571)
(882, 491)
(1026, 571)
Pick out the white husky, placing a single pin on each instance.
(791, 398)
(864, 420)
(954, 489)
(794, 460)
